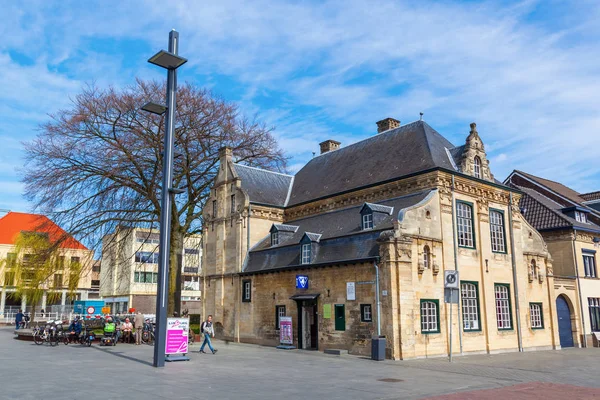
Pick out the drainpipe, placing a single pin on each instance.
(579, 289)
(455, 244)
(377, 298)
(514, 268)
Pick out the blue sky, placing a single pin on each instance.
(527, 72)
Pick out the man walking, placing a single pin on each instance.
(207, 329)
(19, 319)
(138, 324)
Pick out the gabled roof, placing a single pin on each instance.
(313, 237)
(409, 149)
(378, 208)
(557, 187)
(264, 187)
(284, 228)
(13, 223)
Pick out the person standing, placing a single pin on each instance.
(207, 329)
(19, 319)
(138, 324)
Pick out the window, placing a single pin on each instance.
(306, 253)
(192, 251)
(533, 269)
(145, 277)
(58, 281)
(536, 317)
(75, 261)
(426, 257)
(367, 221)
(232, 203)
(27, 275)
(589, 266)
(214, 208)
(95, 283)
(246, 291)
(61, 262)
(366, 314)
(430, 317)
(146, 257)
(148, 240)
(279, 312)
(497, 231)
(503, 312)
(9, 278)
(594, 305)
(11, 260)
(27, 260)
(581, 217)
(470, 306)
(464, 222)
(477, 167)
(274, 238)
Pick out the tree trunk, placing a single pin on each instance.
(175, 258)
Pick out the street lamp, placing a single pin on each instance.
(170, 61)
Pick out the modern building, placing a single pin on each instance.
(14, 224)
(399, 209)
(129, 271)
(570, 226)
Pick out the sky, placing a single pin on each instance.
(527, 72)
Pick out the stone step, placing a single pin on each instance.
(336, 352)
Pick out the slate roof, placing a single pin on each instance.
(389, 155)
(543, 213)
(285, 228)
(342, 237)
(264, 187)
(379, 208)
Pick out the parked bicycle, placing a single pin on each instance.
(148, 333)
(47, 334)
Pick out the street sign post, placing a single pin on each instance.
(451, 282)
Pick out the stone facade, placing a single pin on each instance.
(412, 255)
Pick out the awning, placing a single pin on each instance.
(299, 297)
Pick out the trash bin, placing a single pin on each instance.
(378, 348)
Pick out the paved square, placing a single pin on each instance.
(251, 372)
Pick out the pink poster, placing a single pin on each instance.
(177, 335)
(285, 331)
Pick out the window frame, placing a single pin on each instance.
(367, 221)
(232, 204)
(246, 291)
(426, 257)
(472, 208)
(304, 260)
(363, 313)
(540, 305)
(503, 231)
(594, 311)
(278, 314)
(510, 319)
(477, 170)
(214, 210)
(274, 238)
(436, 303)
(477, 306)
(589, 269)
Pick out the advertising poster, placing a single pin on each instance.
(177, 335)
(285, 331)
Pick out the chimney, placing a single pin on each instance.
(387, 124)
(329, 145)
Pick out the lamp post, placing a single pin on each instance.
(170, 61)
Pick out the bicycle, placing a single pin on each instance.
(148, 334)
(47, 334)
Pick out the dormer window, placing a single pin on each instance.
(306, 253)
(581, 217)
(274, 238)
(367, 221)
(477, 167)
(281, 233)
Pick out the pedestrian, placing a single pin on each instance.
(138, 324)
(19, 319)
(207, 329)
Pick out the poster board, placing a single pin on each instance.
(286, 335)
(177, 335)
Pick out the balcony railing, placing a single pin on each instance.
(191, 270)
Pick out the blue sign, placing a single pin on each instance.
(301, 282)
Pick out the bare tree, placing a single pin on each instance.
(98, 164)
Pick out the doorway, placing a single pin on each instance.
(565, 329)
(308, 328)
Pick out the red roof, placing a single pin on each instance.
(13, 223)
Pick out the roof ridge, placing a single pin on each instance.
(555, 212)
(262, 169)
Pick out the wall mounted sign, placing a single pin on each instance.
(327, 311)
(301, 281)
(350, 291)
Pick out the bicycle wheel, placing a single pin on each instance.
(38, 338)
(53, 340)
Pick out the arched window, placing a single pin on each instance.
(533, 267)
(426, 257)
(477, 167)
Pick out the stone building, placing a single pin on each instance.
(570, 226)
(129, 271)
(405, 202)
(15, 223)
